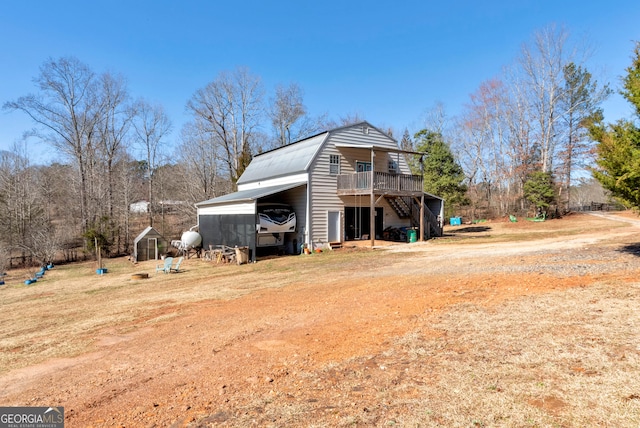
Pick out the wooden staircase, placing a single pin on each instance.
(399, 205)
(408, 207)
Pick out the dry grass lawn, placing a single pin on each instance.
(497, 324)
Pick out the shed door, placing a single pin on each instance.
(152, 248)
(334, 226)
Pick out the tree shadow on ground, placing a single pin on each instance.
(471, 229)
(467, 232)
(633, 249)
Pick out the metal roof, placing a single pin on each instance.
(249, 195)
(288, 160)
(296, 158)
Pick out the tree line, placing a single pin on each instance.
(114, 150)
(515, 147)
(523, 135)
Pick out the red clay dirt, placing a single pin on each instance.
(228, 363)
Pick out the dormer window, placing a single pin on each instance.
(334, 164)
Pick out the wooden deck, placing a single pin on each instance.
(383, 184)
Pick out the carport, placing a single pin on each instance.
(231, 219)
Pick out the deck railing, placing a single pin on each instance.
(360, 182)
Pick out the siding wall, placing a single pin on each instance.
(323, 195)
(323, 186)
(298, 202)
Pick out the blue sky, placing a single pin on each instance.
(389, 62)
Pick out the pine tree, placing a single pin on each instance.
(538, 189)
(618, 162)
(443, 176)
(407, 144)
(580, 104)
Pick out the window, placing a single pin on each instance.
(393, 167)
(334, 164)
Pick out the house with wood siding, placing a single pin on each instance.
(349, 183)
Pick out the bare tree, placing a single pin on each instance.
(543, 62)
(230, 108)
(284, 111)
(522, 145)
(23, 214)
(483, 145)
(59, 198)
(200, 160)
(587, 191)
(5, 258)
(113, 128)
(150, 126)
(526, 121)
(44, 242)
(289, 117)
(86, 118)
(66, 112)
(435, 118)
(17, 195)
(130, 177)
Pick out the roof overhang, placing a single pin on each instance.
(377, 148)
(250, 195)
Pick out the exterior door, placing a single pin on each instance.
(363, 166)
(363, 179)
(333, 219)
(152, 248)
(357, 222)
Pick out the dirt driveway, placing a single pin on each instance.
(496, 324)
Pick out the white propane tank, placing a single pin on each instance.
(191, 239)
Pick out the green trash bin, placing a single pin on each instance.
(412, 235)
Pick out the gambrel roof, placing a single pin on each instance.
(295, 158)
(292, 159)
